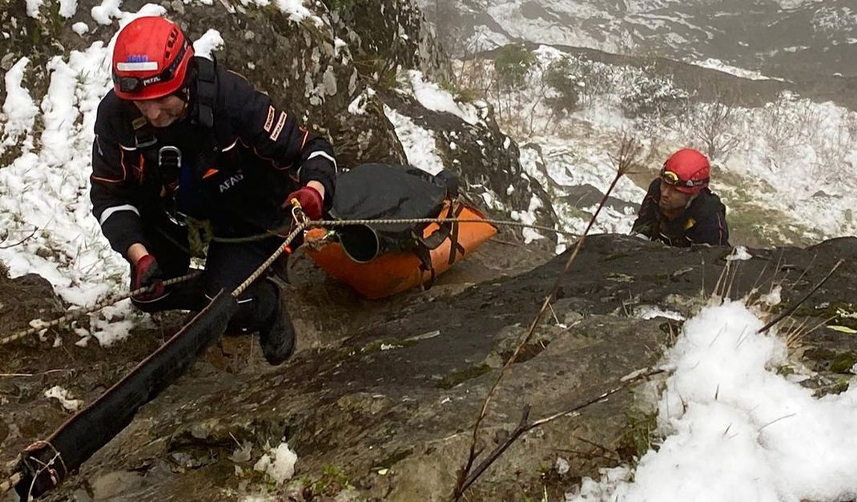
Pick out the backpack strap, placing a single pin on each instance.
(206, 91)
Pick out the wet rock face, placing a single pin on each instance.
(380, 408)
(386, 34)
(25, 298)
(484, 159)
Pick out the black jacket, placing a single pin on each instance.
(236, 173)
(702, 222)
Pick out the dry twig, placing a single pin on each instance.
(25, 239)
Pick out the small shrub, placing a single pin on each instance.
(341, 6)
(461, 93)
(565, 77)
(512, 64)
(652, 96)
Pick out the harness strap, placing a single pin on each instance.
(455, 210)
(424, 254)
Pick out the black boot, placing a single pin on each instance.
(277, 336)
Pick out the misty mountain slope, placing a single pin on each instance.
(780, 38)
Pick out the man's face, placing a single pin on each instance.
(164, 111)
(671, 199)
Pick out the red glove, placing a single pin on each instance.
(147, 273)
(310, 201)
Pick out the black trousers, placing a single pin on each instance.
(227, 265)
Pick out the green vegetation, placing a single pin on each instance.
(512, 64)
(842, 384)
(456, 378)
(565, 76)
(332, 481)
(464, 94)
(55, 20)
(382, 71)
(843, 362)
(839, 313)
(393, 459)
(543, 497)
(756, 226)
(341, 6)
(639, 435)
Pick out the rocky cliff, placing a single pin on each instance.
(379, 401)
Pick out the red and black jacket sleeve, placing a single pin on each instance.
(276, 135)
(115, 192)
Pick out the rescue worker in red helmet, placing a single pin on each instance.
(179, 139)
(679, 209)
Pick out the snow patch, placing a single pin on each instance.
(740, 253)
(209, 42)
(737, 430)
(65, 398)
(19, 109)
(716, 64)
(33, 8)
(436, 99)
(68, 8)
(80, 28)
(278, 463)
(774, 297)
(650, 312)
(103, 14)
(419, 143)
(529, 217)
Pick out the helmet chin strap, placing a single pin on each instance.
(185, 111)
(690, 200)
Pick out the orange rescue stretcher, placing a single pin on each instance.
(352, 256)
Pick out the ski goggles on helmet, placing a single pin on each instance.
(136, 84)
(673, 179)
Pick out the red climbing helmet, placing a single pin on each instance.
(150, 59)
(687, 170)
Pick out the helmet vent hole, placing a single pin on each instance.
(171, 40)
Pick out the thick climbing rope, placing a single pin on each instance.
(303, 225)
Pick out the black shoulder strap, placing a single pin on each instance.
(206, 91)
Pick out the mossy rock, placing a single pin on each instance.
(843, 362)
(464, 375)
